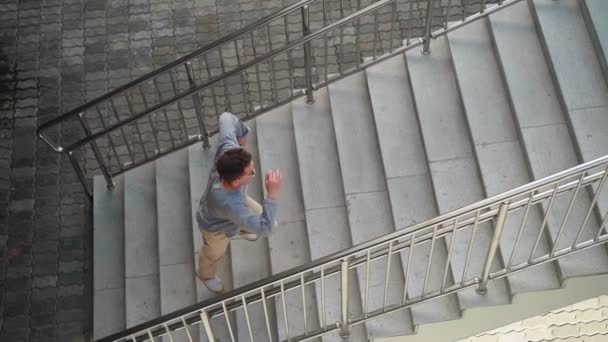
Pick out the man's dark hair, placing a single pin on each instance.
(232, 164)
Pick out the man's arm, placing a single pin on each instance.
(231, 132)
(244, 217)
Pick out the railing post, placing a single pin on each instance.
(343, 324)
(80, 175)
(97, 154)
(307, 56)
(197, 106)
(426, 40)
(482, 288)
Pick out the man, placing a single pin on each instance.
(225, 209)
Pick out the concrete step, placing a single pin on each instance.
(543, 128)
(251, 259)
(141, 246)
(108, 257)
(367, 202)
(176, 268)
(408, 180)
(594, 13)
(578, 72)
(326, 217)
(454, 171)
(501, 159)
(288, 242)
(200, 163)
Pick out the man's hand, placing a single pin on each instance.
(242, 141)
(273, 184)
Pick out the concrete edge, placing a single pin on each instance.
(478, 320)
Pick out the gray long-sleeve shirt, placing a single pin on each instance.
(222, 210)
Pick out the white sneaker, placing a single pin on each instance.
(214, 284)
(248, 236)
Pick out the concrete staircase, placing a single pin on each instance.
(498, 103)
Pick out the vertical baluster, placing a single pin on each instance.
(344, 324)
(266, 316)
(388, 273)
(409, 264)
(180, 110)
(122, 131)
(289, 57)
(570, 205)
(428, 266)
(112, 145)
(272, 67)
(284, 310)
(213, 94)
(449, 259)
(520, 230)
(247, 317)
(602, 227)
(357, 37)
(483, 6)
(409, 22)
(154, 133)
(325, 40)
(595, 197)
(464, 9)
(224, 81)
(97, 153)
(150, 335)
(188, 335)
(447, 14)
(197, 106)
(323, 312)
(139, 135)
(227, 318)
(257, 72)
(307, 56)
(470, 249)
(393, 13)
(341, 40)
(207, 326)
(243, 82)
(544, 223)
(366, 290)
(166, 326)
(375, 35)
(304, 313)
(160, 98)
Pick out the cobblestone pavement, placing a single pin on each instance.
(58, 54)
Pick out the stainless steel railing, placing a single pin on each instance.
(288, 54)
(568, 210)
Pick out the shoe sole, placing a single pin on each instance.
(208, 288)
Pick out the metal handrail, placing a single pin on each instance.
(489, 214)
(93, 138)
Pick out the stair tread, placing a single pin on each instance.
(108, 259)
(455, 177)
(594, 12)
(579, 73)
(409, 183)
(576, 67)
(175, 236)
(142, 299)
(500, 157)
(288, 242)
(547, 142)
(326, 217)
(367, 200)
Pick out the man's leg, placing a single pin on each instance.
(214, 249)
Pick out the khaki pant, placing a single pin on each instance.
(216, 244)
